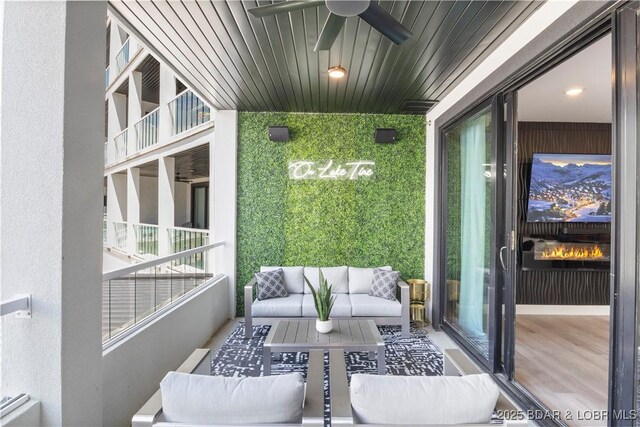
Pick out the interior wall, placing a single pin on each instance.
(148, 200)
(563, 287)
(363, 223)
(182, 198)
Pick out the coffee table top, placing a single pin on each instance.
(346, 333)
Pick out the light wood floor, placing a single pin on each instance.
(563, 361)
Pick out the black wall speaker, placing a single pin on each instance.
(386, 136)
(278, 133)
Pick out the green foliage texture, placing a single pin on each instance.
(362, 223)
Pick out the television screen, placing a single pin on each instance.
(570, 188)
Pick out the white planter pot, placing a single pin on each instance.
(324, 327)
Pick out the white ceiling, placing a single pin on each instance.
(544, 100)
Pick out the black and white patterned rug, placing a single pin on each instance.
(415, 355)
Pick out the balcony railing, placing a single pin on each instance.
(188, 111)
(121, 141)
(147, 130)
(146, 239)
(132, 294)
(187, 238)
(106, 153)
(104, 231)
(120, 234)
(123, 57)
(106, 77)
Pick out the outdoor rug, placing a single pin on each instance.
(416, 355)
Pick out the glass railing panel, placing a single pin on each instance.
(147, 130)
(122, 58)
(106, 77)
(134, 295)
(188, 111)
(121, 142)
(106, 153)
(120, 233)
(146, 239)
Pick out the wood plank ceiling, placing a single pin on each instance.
(238, 61)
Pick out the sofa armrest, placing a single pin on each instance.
(147, 415)
(403, 287)
(339, 389)
(313, 411)
(248, 300)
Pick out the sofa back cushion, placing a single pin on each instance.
(360, 279)
(203, 399)
(402, 400)
(293, 279)
(336, 276)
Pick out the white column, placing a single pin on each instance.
(166, 203)
(51, 179)
(116, 204)
(135, 107)
(117, 120)
(133, 207)
(222, 196)
(167, 93)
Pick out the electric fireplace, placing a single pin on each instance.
(542, 254)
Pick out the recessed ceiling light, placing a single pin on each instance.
(337, 72)
(574, 91)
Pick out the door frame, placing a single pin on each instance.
(195, 186)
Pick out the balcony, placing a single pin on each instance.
(147, 130)
(106, 77)
(123, 57)
(121, 142)
(188, 111)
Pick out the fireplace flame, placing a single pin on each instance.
(572, 253)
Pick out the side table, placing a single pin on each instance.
(419, 293)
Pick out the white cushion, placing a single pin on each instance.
(341, 308)
(360, 279)
(290, 306)
(293, 279)
(366, 305)
(203, 399)
(388, 399)
(336, 277)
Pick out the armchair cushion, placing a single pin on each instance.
(270, 284)
(360, 279)
(384, 284)
(341, 308)
(403, 400)
(293, 280)
(202, 399)
(290, 306)
(368, 306)
(337, 277)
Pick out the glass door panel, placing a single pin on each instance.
(469, 220)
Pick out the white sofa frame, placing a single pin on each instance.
(312, 412)
(455, 363)
(402, 320)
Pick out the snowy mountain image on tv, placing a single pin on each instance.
(570, 188)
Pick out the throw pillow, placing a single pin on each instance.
(384, 284)
(271, 284)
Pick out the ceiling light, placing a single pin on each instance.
(337, 72)
(574, 91)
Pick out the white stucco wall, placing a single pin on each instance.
(133, 368)
(182, 200)
(148, 200)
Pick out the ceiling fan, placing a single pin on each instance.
(339, 10)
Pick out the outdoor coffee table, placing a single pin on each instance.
(301, 335)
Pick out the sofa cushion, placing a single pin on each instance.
(366, 305)
(384, 284)
(204, 399)
(270, 284)
(293, 279)
(336, 277)
(402, 400)
(360, 279)
(341, 308)
(290, 306)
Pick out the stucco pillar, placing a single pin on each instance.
(51, 185)
(135, 107)
(133, 208)
(166, 203)
(167, 93)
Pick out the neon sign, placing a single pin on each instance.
(331, 170)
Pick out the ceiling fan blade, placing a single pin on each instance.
(285, 6)
(330, 31)
(386, 24)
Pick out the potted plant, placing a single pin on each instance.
(323, 300)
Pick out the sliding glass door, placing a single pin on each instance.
(471, 206)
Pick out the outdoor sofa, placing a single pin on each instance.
(351, 286)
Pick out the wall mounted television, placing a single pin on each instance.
(570, 188)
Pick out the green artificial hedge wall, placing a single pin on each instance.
(362, 223)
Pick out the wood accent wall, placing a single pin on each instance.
(568, 287)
